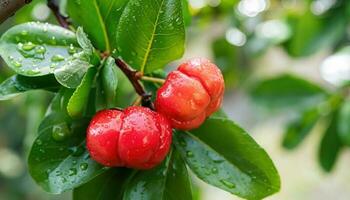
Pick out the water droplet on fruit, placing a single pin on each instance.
(57, 58)
(84, 166)
(228, 184)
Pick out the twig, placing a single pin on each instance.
(153, 79)
(62, 20)
(134, 77)
(9, 7)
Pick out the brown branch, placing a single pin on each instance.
(9, 7)
(62, 20)
(134, 77)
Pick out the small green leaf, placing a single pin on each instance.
(71, 74)
(109, 76)
(79, 99)
(151, 33)
(330, 146)
(169, 181)
(18, 84)
(36, 49)
(108, 185)
(344, 123)
(287, 91)
(84, 41)
(300, 128)
(223, 155)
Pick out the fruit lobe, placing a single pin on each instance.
(141, 138)
(191, 93)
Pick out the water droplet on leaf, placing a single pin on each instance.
(84, 166)
(28, 46)
(60, 132)
(228, 184)
(57, 58)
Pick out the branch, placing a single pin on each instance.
(62, 20)
(9, 7)
(134, 77)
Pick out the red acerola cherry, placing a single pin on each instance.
(191, 93)
(136, 137)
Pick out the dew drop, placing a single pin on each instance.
(214, 170)
(228, 184)
(60, 132)
(84, 166)
(72, 172)
(24, 32)
(57, 58)
(28, 46)
(71, 49)
(40, 50)
(189, 153)
(53, 40)
(16, 63)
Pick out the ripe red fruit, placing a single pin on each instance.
(136, 137)
(191, 93)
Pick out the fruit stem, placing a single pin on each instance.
(134, 77)
(62, 20)
(153, 79)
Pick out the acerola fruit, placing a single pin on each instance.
(136, 137)
(191, 93)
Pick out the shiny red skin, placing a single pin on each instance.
(141, 138)
(191, 93)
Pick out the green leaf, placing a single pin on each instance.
(330, 146)
(169, 181)
(344, 123)
(36, 49)
(287, 91)
(58, 160)
(99, 19)
(109, 76)
(311, 33)
(84, 41)
(71, 74)
(107, 185)
(223, 155)
(18, 84)
(300, 128)
(79, 99)
(151, 33)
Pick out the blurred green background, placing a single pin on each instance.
(286, 66)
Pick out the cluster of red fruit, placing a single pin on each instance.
(141, 138)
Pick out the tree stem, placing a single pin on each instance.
(62, 20)
(9, 7)
(153, 79)
(134, 77)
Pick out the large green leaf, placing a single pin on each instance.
(169, 181)
(99, 18)
(36, 49)
(108, 185)
(299, 128)
(223, 155)
(344, 123)
(79, 99)
(330, 146)
(151, 33)
(58, 160)
(287, 91)
(18, 84)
